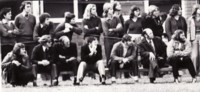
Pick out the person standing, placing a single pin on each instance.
(112, 29)
(25, 22)
(92, 25)
(44, 27)
(175, 21)
(133, 26)
(152, 21)
(8, 31)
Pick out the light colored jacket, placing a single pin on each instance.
(178, 49)
(191, 33)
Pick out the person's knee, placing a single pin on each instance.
(82, 64)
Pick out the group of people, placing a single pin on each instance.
(142, 39)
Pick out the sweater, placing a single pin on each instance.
(132, 27)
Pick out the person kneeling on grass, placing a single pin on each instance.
(91, 56)
(124, 55)
(178, 52)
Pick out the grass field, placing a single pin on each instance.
(164, 84)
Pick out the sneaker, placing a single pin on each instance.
(177, 80)
(136, 79)
(113, 80)
(55, 82)
(194, 80)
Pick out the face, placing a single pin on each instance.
(27, 8)
(23, 51)
(8, 15)
(73, 21)
(182, 36)
(47, 21)
(66, 42)
(128, 43)
(110, 11)
(156, 13)
(180, 11)
(94, 42)
(149, 34)
(93, 10)
(198, 11)
(118, 7)
(49, 44)
(137, 13)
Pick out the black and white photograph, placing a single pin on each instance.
(100, 45)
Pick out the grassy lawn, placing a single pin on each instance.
(164, 84)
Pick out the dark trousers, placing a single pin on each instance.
(68, 66)
(51, 69)
(182, 62)
(17, 75)
(132, 66)
(108, 43)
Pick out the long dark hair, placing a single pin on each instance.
(3, 12)
(176, 35)
(16, 51)
(133, 9)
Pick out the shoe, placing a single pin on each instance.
(136, 79)
(103, 83)
(177, 80)
(76, 84)
(103, 79)
(152, 80)
(194, 80)
(113, 80)
(34, 84)
(55, 82)
(75, 79)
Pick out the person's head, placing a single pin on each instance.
(148, 33)
(44, 18)
(19, 49)
(5, 13)
(175, 10)
(69, 17)
(65, 41)
(116, 6)
(196, 10)
(26, 6)
(90, 10)
(126, 39)
(46, 41)
(135, 11)
(153, 11)
(163, 16)
(92, 41)
(107, 9)
(179, 35)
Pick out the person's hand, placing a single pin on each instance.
(125, 60)
(70, 59)
(97, 28)
(10, 31)
(151, 56)
(110, 30)
(16, 62)
(61, 57)
(86, 27)
(45, 62)
(66, 30)
(160, 58)
(67, 25)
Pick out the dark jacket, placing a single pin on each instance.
(145, 48)
(92, 23)
(171, 25)
(59, 49)
(38, 54)
(59, 31)
(85, 51)
(45, 30)
(154, 24)
(118, 49)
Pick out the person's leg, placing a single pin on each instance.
(74, 67)
(81, 69)
(174, 62)
(113, 69)
(134, 69)
(54, 75)
(187, 62)
(101, 68)
(34, 70)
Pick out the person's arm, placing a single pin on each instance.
(119, 27)
(84, 54)
(99, 53)
(187, 50)
(76, 29)
(7, 60)
(133, 54)
(168, 27)
(51, 30)
(143, 52)
(5, 32)
(126, 26)
(113, 54)
(27, 64)
(88, 30)
(170, 50)
(105, 27)
(59, 30)
(35, 33)
(34, 56)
